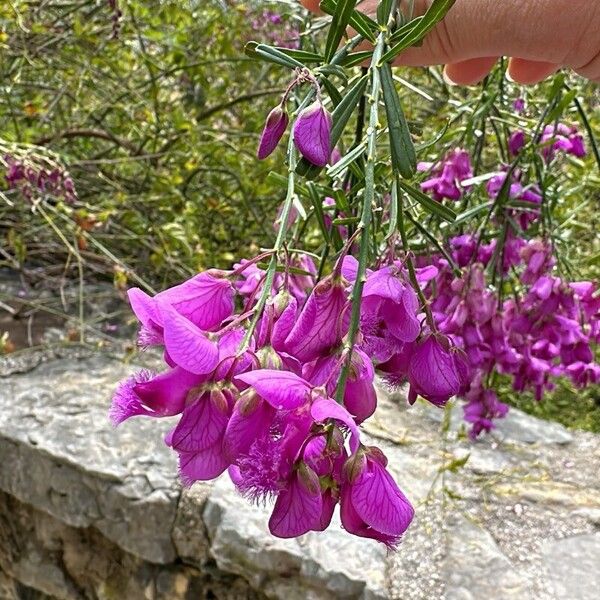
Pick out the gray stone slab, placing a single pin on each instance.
(573, 566)
(476, 569)
(61, 455)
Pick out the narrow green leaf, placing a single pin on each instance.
(393, 223)
(340, 200)
(470, 213)
(362, 24)
(301, 55)
(403, 31)
(436, 12)
(335, 70)
(344, 110)
(433, 240)
(335, 96)
(404, 157)
(384, 10)
(337, 29)
(271, 54)
(357, 58)
(558, 110)
(429, 204)
(281, 180)
(345, 221)
(346, 160)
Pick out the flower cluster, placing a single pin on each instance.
(543, 333)
(546, 330)
(255, 397)
(33, 180)
(554, 138)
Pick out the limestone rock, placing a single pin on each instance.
(573, 566)
(476, 569)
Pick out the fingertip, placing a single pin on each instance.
(468, 72)
(529, 72)
(312, 5)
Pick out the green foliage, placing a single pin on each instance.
(158, 128)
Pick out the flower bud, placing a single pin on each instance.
(275, 126)
(312, 134)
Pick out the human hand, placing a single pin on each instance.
(540, 36)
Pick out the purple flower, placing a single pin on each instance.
(152, 395)
(562, 138)
(519, 105)
(312, 134)
(275, 126)
(371, 504)
(198, 437)
(298, 506)
(516, 141)
(447, 175)
(323, 321)
(436, 370)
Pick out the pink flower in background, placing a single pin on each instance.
(562, 138)
(447, 175)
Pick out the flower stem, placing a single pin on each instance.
(412, 274)
(279, 241)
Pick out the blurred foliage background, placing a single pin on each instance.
(148, 114)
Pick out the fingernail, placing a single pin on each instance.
(447, 79)
(508, 76)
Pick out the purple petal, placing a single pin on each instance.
(350, 268)
(385, 284)
(312, 134)
(281, 389)
(379, 502)
(298, 507)
(250, 420)
(321, 324)
(326, 408)
(203, 465)
(126, 403)
(202, 424)
(187, 345)
(284, 325)
(206, 299)
(144, 308)
(275, 126)
(165, 395)
(353, 523)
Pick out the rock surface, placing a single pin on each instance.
(87, 511)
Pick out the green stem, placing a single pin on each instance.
(281, 234)
(412, 274)
(366, 213)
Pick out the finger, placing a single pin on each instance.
(312, 5)
(469, 72)
(527, 72)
